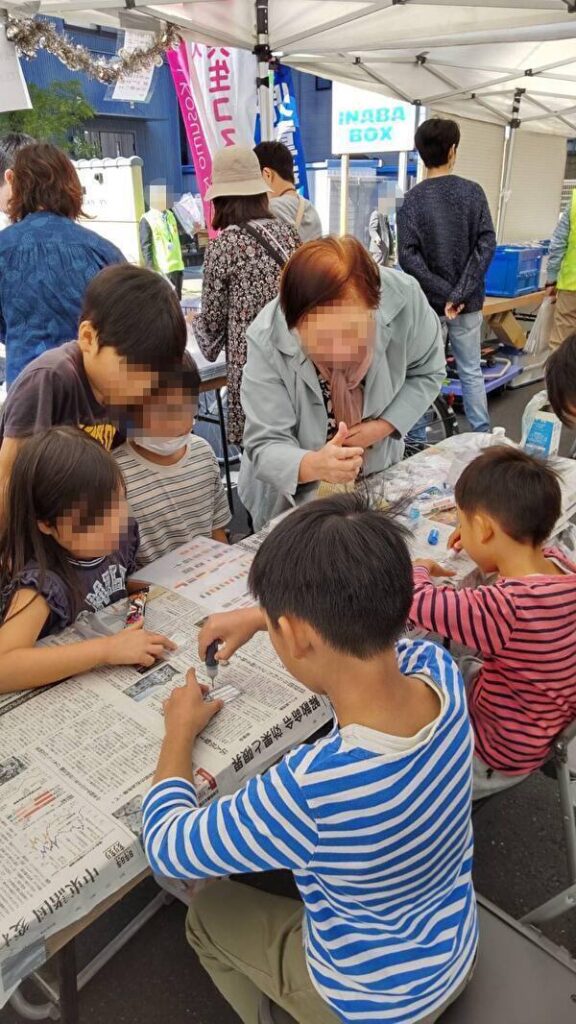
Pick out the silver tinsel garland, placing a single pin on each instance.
(30, 36)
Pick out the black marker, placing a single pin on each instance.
(211, 663)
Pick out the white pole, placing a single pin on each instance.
(402, 171)
(344, 191)
(506, 181)
(507, 165)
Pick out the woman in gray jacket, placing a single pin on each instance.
(339, 368)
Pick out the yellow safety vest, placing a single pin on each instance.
(567, 276)
(166, 248)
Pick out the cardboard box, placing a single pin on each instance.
(507, 329)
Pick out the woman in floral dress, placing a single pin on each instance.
(242, 267)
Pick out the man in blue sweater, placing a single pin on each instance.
(446, 241)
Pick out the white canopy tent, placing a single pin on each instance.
(466, 56)
(501, 62)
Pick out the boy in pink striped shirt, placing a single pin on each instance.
(523, 626)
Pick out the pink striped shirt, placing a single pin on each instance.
(525, 629)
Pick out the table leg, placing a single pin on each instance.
(68, 984)
(225, 456)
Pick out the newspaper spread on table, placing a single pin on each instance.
(425, 483)
(216, 576)
(77, 758)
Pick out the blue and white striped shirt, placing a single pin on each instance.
(380, 846)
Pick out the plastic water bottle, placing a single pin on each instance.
(413, 518)
(541, 429)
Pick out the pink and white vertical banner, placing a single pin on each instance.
(216, 88)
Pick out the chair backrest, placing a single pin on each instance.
(520, 977)
(569, 733)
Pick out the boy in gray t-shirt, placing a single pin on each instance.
(172, 478)
(277, 168)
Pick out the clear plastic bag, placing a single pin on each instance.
(190, 213)
(540, 334)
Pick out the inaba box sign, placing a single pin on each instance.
(367, 122)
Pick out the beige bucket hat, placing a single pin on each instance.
(236, 172)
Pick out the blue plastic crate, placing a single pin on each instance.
(515, 270)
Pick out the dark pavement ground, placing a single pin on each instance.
(155, 979)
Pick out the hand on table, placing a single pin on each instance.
(192, 315)
(451, 311)
(367, 433)
(434, 568)
(186, 713)
(136, 646)
(334, 463)
(231, 630)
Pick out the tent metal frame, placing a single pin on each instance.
(364, 61)
(484, 97)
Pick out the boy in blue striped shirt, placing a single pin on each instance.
(373, 820)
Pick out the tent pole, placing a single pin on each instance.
(505, 182)
(344, 191)
(402, 171)
(507, 162)
(263, 53)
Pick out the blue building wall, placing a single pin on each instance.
(155, 124)
(315, 112)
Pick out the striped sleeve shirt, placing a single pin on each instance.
(173, 504)
(525, 628)
(380, 844)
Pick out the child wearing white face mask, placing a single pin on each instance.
(172, 478)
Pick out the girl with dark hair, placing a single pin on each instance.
(46, 258)
(67, 546)
(242, 267)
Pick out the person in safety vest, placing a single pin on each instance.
(160, 241)
(561, 275)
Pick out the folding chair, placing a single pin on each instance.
(520, 978)
(558, 766)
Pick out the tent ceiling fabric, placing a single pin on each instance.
(466, 58)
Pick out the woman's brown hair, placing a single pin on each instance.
(325, 271)
(44, 179)
(239, 210)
